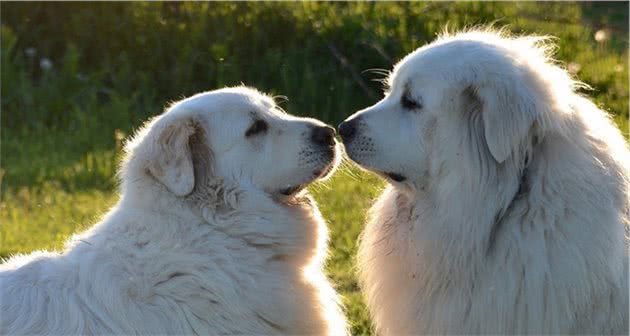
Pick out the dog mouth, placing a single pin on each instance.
(361, 153)
(317, 174)
(291, 190)
(395, 177)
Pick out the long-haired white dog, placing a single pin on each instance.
(508, 203)
(213, 234)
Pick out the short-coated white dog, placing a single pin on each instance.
(213, 234)
(507, 210)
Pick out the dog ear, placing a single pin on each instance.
(172, 161)
(507, 118)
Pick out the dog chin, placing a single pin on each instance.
(389, 175)
(318, 174)
(322, 173)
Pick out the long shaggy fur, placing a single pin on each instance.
(530, 239)
(225, 259)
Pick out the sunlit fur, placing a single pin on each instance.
(200, 242)
(513, 217)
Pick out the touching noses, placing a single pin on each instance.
(323, 135)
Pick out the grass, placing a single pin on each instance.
(343, 201)
(115, 64)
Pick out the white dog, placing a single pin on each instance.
(508, 200)
(213, 234)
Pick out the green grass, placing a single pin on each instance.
(343, 201)
(115, 64)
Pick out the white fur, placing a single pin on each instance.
(456, 248)
(201, 241)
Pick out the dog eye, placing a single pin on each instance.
(259, 126)
(407, 102)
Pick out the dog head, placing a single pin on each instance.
(236, 135)
(469, 98)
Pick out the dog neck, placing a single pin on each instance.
(260, 220)
(465, 212)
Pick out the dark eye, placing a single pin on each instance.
(258, 127)
(409, 103)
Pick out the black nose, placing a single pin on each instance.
(323, 135)
(347, 130)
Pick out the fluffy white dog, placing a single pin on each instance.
(508, 200)
(213, 234)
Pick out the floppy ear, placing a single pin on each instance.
(508, 114)
(172, 159)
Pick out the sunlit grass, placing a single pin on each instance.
(62, 125)
(43, 217)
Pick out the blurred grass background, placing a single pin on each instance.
(76, 78)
